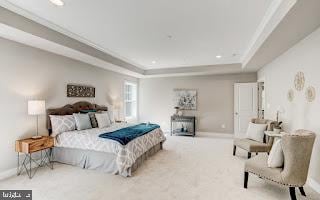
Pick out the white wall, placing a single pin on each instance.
(215, 100)
(279, 78)
(28, 73)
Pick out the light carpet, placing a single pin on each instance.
(188, 169)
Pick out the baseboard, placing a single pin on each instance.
(314, 185)
(8, 173)
(211, 134)
(13, 172)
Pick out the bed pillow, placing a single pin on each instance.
(103, 120)
(92, 116)
(62, 123)
(111, 116)
(276, 157)
(256, 131)
(82, 121)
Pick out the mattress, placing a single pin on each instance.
(126, 155)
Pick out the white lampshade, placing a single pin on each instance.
(36, 107)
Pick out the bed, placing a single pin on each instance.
(87, 150)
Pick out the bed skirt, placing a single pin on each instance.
(101, 161)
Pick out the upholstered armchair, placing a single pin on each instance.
(253, 146)
(297, 149)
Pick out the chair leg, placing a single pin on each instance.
(249, 155)
(246, 177)
(256, 153)
(234, 150)
(302, 191)
(292, 193)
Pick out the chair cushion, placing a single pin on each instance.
(258, 166)
(251, 145)
(276, 157)
(256, 131)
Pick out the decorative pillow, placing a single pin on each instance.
(103, 120)
(111, 116)
(256, 131)
(276, 157)
(92, 116)
(82, 121)
(87, 111)
(62, 123)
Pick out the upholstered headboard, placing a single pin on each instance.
(70, 109)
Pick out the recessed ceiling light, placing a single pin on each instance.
(218, 56)
(153, 62)
(57, 2)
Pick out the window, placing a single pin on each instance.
(130, 100)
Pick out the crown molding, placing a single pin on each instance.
(274, 15)
(23, 27)
(31, 16)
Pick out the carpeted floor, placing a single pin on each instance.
(188, 169)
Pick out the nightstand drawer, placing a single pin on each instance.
(33, 145)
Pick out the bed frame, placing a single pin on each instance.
(82, 158)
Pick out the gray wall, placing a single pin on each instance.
(279, 78)
(215, 100)
(28, 73)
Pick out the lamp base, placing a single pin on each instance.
(36, 137)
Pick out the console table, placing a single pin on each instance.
(187, 128)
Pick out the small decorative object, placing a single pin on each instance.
(299, 81)
(80, 91)
(290, 95)
(310, 94)
(185, 99)
(177, 110)
(277, 128)
(182, 128)
(279, 110)
(37, 107)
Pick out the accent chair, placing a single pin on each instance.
(253, 146)
(297, 150)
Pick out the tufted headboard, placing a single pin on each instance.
(70, 109)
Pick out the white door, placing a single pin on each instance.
(245, 106)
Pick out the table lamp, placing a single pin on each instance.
(37, 107)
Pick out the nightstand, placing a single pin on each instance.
(27, 147)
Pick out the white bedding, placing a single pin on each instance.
(126, 154)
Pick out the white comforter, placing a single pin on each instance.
(126, 154)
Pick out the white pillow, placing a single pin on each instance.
(111, 116)
(256, 131)
(82, 121)
(62, 123)
(276, 157)
(103, 120)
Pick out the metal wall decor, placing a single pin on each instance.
(290, 95)
(310, 94)
(299, 81)
(80, 91)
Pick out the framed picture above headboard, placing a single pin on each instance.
(80, 91)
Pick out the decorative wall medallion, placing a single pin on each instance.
(80, 91)
(310, 94)
(299, 81)
(290, 95)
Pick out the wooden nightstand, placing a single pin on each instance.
(29, 146)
